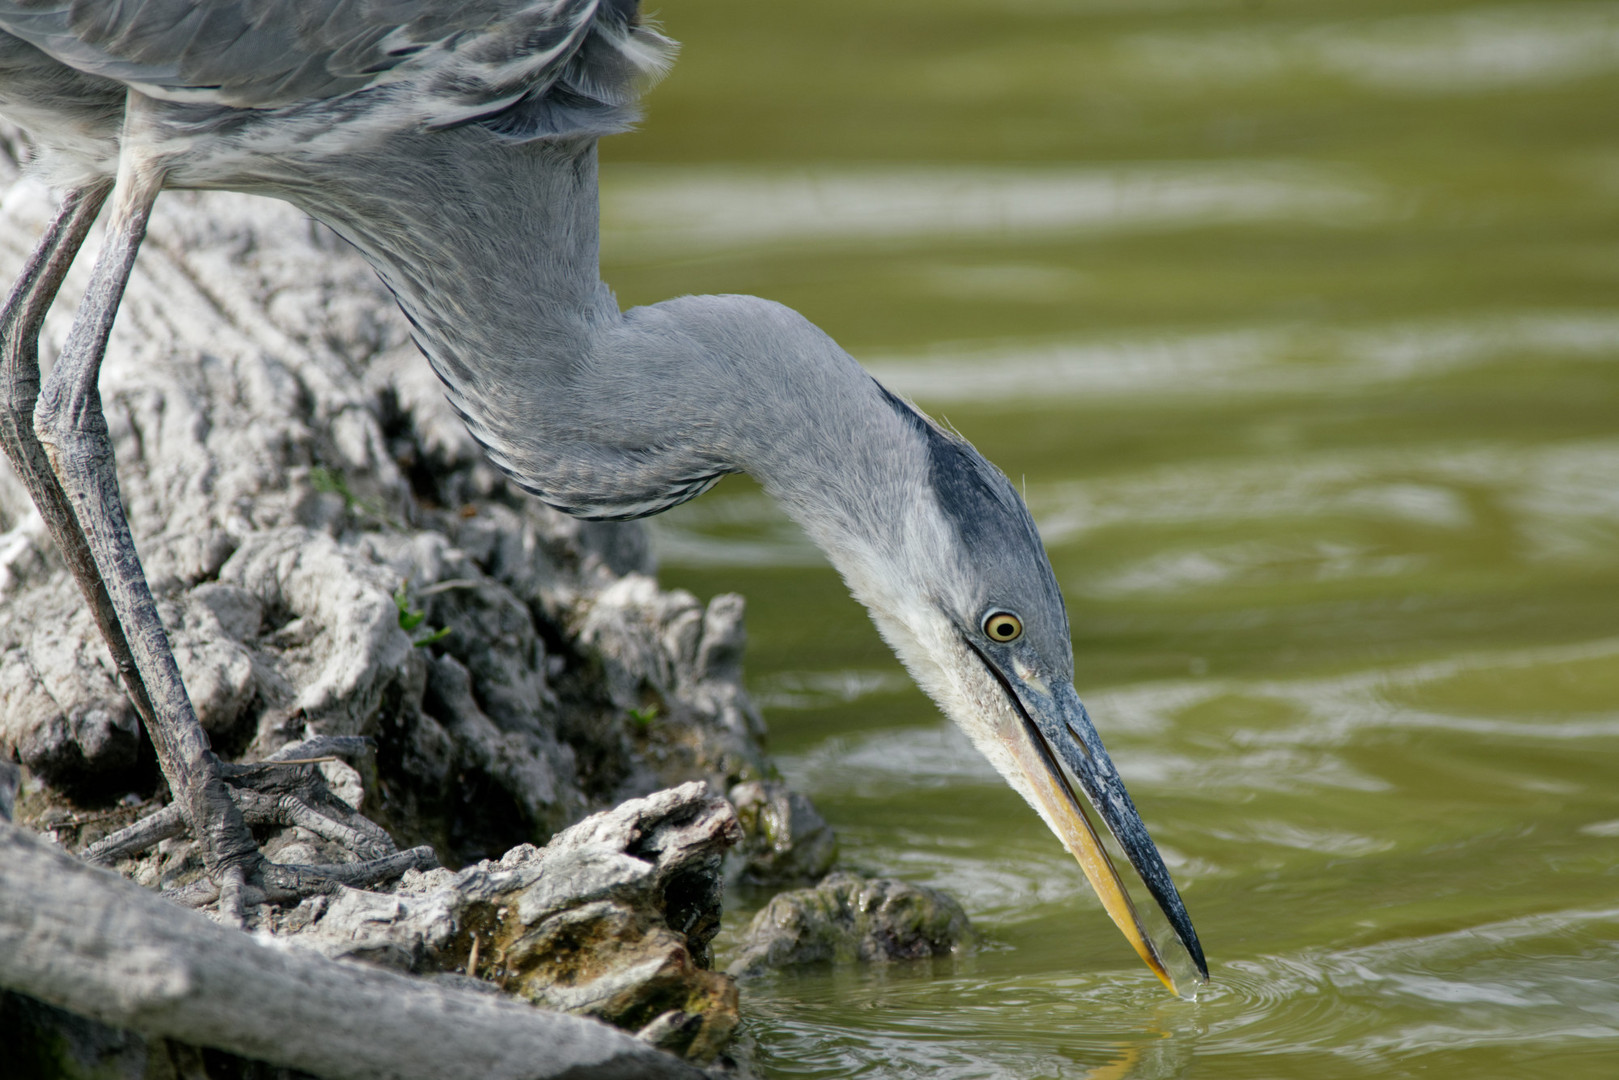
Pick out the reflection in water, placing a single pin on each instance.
(1460, 989)
(820, 689)
(687, 209)
(1297, 324)
(1316, 812)
(1559, 497)
(1291, 360)
(1489, 47)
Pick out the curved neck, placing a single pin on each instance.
(491, 248)
(657, 404)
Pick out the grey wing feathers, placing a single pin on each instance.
(464, 61)
(65, 94)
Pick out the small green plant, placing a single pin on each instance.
(643, 718)
(332, 482)
(327, 480)
(437, 635)
(410, 619)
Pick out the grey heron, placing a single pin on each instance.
(454, 145)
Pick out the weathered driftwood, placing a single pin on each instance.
(96, 944)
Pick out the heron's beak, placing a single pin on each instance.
(1056, 729)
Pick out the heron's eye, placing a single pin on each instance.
(1003, 626)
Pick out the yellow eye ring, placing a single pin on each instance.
(1003, 626)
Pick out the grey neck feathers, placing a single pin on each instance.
(491, 248)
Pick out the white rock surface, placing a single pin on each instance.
(290, 467)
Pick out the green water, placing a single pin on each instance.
(1298, 321)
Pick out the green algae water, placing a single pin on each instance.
(1298, 322)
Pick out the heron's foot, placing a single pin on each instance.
(285, 790)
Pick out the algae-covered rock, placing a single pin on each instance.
(612, 919)
(849, 918)
(785, 840)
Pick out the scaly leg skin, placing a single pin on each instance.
(73, 433)
(20, 320)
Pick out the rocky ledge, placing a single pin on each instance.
(611, 919)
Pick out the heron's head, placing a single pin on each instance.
(932, 538)
(959, 584)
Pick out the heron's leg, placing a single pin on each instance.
(20, 320)
(74, 433)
